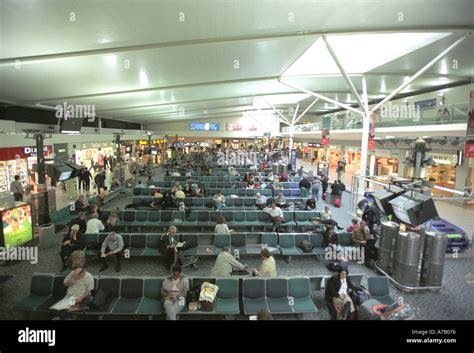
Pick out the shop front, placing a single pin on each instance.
(19, 161)
(444, 172)
(93, 154)
(385, 166)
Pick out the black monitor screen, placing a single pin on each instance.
(71, 125)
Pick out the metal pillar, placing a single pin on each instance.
(118, 142)
(150, 161)
(42, 187)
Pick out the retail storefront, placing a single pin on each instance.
(92, 154)
(386, 166)
(19, 161)
(444, 172)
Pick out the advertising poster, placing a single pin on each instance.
(469, 145)
(326, 128)
(17, 228)
(371, 145)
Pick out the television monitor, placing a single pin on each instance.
(71, 125)
(17, 227)
(382, 198)
(413, 208)
(65, 175)
(204, 126)
(75, 169)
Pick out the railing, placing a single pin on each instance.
(438, 115)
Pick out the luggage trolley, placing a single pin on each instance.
(182, 260)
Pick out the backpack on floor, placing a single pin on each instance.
(306, 246)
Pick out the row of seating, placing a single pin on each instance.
(208, 218)
(208, 192)
(201, 202)
(219, 184)
(142, 295)
(64, 215)
(206, 244)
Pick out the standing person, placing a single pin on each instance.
(106, 164)
(17, 188)
(289, 167)
(300, 172)
(80, 179)
(28, 195)
(174, 291)
(99, 181)
(324, 183)
(87, 176)
(315, 189)
(341, 166)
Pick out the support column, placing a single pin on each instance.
(118, 152)
(150, 161)
(42, 187)
(364, 149)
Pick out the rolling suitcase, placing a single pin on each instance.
(337, 203)
(323, 196)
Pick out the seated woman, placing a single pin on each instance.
(158, 194)
(176, 187)
(80, 204)
(326, 217)
(338, 290)
(268, 267)
(187, 190)
(310, 205)
(280, 201)
(221, 226)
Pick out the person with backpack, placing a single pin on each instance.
(372, 217)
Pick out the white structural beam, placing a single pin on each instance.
(285, 120)
(320, 96)
(343, 72)
(419, 73)
(306, 110)
(364, 148)
(294, 114)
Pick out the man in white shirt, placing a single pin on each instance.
(276, 214)
(140, 185)
(94, 225)
(261, 201)
(112, 246)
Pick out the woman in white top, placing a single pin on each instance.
(94, 225)
(221, 226)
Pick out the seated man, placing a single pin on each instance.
(81, 204)
(115, 184)
(276, 215)
(74, 240)
(261, 201)
(168, 242)
(174, 291)
(361, 235)
(219, 201)
(326, 218)
(179, 194)
(112, 246)
(280, 200)
(225, 263)
(140, 185)
(79, 285)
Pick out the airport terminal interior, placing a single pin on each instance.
(236, 160)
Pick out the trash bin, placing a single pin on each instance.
(47, 236)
